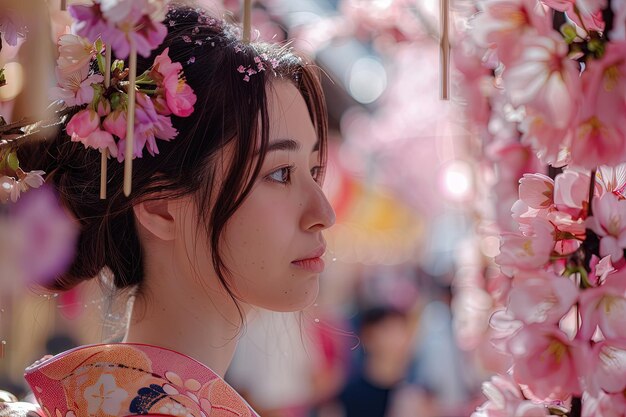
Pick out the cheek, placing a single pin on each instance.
(259, 244)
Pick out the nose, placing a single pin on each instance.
(318, 214)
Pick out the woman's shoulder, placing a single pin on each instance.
(123, 379)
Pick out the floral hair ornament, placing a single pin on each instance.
(120, 113)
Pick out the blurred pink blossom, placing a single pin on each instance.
(609, 223)
(619, 21)
(600, 137)
(607, 368)
(546, 361)
(540, 300)
(12, 26)
(504, 399)
(48, 235)
(604, 307)
(503, 22)
(604, 405)
(526, 251)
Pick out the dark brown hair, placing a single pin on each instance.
(227, 109)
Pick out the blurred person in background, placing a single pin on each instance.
(379, 385)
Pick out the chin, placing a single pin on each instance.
(298, 299)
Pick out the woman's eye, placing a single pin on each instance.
(281, 175)
(316, 173)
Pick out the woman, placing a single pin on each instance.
(228, 216)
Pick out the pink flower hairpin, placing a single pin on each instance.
(123, 113)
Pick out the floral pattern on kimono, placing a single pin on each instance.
(125, 379)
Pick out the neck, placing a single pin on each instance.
(175, 311)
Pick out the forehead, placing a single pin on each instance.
(289, 115)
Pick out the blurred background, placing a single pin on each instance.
(400, 327)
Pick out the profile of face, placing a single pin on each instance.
(273, 244)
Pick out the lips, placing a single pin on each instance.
(313, 262)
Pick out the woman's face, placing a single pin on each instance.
(273, 243)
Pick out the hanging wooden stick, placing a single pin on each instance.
(63, 5)
(105, 152)
(130, 120)
(445, 48)
(247, 20)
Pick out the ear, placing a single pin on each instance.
(155, 216)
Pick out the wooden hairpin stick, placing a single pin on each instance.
(130, 120)
(105, 152)
(445, 48)
(247, 20)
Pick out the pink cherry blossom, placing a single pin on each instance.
(604, 307)
(149, 126)
(84, 127)
(32, 179)
(163, 67)
(601, 268)
(609, 223)
(571, 192)
(585, 13)
(612, 179)
(75, 88)
(503, 22)
(536, 190)
(543, 77)
(540, 300)
(530, 251)
(607, 368)
(82, 124)
(546, 361)
(120, 22)
(505, 400)
(179, 95)
(75, 53)
(115, 123)
(550, 142)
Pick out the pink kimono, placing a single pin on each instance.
(126, 379)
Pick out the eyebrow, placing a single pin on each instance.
(288, 145)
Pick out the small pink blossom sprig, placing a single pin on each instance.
(120, 22)
(261, 63)
(101, 124)
(13, 180)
